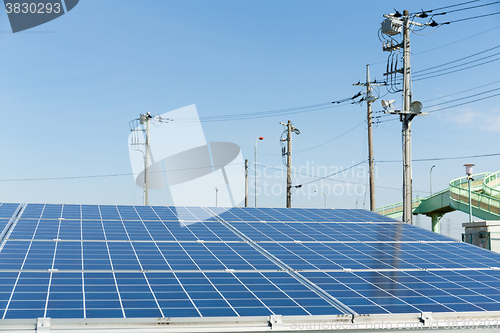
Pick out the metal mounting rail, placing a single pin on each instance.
(312, 286)
(8, 227)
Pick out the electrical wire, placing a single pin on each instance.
(457, 41)
(438, 142)
(335, 138)
(454, 61)
(460, 92)
(332, 174)
(418, 76)
(273, 113)
(110, 175)
(450, 6)
(470, 18)
(458, 99)
(466, 8)
(441, 158)
(473, 101)
(335, 180)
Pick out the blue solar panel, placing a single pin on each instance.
(86, 261)
(7, 210)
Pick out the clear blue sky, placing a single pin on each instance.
(69, 88)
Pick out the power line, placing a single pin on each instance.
(476, 100)
(273, 113)
(454, 71)
(332, 174)
(470, 18)
(458, 99)
(460, 92)
(450, 6)
(439, 142)
(442, 158)
(454, 61)
(321, 144)
(467, 8)
(110, 175)
(334, 180)
(457, 41)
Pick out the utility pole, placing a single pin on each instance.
(406, 119)
(369, 100)
(392, 26)
(246, 183)
(255, 167)
(145, 120)
(288, 152)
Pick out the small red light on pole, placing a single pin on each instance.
(261, 138)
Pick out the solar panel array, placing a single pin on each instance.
(89, 261)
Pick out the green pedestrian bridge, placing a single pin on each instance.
(485, 200)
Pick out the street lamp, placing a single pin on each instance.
(255, 180)
(468, 171)
(323, 195)
(216, 196)
(430, 176)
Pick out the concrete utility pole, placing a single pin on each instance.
(369, 100)
(392, 26)
(406, 119)
(246, 183)
(145, 120)
(255, 179)
(288, 153)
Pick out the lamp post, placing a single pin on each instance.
(468, 171)
(216, 196)
(323, 195)
(430, 176)
(255, 166)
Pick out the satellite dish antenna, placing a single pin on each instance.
(387, 104)
(416, 107)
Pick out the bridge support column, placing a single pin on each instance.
(435, 222)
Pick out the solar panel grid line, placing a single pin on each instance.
(338, 305)
(460, 297)
(145, 277)
(371, 256)
(113, 273)
(266, 254)
(423, 252)
(260, 300)
(178, 281)
(217, 290)
(359, 294)
(382, 290)
(188, 254)
(483, 257)
(52, 267)
(17, 278)
(325, 295)
(449, 294)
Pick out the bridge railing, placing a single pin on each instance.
(493, 180)
(397, 208)
(459, 192)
